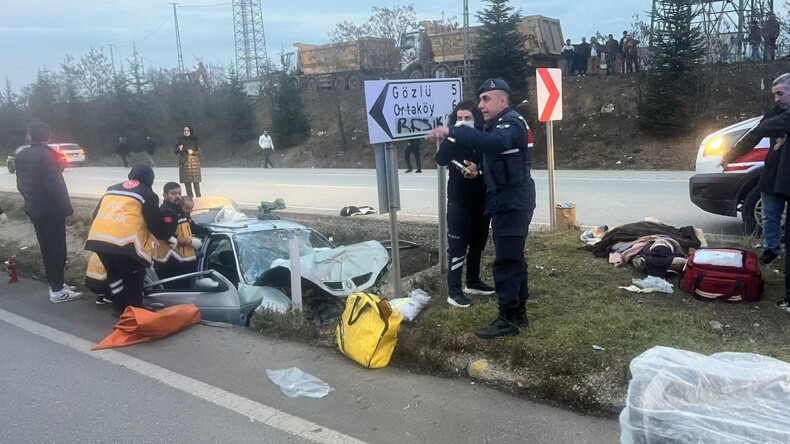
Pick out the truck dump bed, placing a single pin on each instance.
(365, 54)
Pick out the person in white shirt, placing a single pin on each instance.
(266, 144)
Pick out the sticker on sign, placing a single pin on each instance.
(409, 109)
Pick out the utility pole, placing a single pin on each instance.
(178, 40)
(112, 59)
(466, 41)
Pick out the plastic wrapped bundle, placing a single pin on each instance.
(677, 396)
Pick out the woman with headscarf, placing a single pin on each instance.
(189, 161)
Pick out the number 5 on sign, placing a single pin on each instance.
(549, 94)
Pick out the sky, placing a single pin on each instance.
(33, 38)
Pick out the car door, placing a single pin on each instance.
(215, 296)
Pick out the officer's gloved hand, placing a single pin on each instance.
(173, 242)
(3, 218)
(197, 244)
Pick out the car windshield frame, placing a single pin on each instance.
(256, 250)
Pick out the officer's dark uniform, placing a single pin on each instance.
(123, 235)
(506, 146)
(467, 223)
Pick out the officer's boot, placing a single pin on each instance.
(520, 318)
(503, 325)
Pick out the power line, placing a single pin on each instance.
(206, 6)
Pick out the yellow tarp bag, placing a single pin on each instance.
(368, 330)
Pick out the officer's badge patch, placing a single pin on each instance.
(491, 84)
(503, 126)
(168, 220)
(129, 184)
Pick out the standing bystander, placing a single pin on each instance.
(188, 154)
(39, 179)
(755, 39)
(770, 34)
(267, 146)
(774, 124)
(122, 150)
(150, 150)
(413, 149)
(568, 54)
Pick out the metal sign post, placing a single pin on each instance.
(549, 88)
(402, 110)
(441, 173)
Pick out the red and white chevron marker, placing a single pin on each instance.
(549, 94)
(549, 89)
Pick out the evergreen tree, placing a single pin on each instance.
(501, 47)
(290, 123)
(673, 85)
(239, 116)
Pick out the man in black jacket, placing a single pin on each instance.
(467, 223)
(774, 124)
(39, 179)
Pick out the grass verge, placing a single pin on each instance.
(575, 304)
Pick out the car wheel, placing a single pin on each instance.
(751, 213)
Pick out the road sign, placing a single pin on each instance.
(409, 109)
(549, 94)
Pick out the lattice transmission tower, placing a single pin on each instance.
(250, 39)
(723, 23)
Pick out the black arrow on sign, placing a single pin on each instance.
(377, 111)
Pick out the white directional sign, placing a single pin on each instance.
(408, 109)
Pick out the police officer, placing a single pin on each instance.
(124, 231)
(506, 146)
(180, 260)
(467, 223)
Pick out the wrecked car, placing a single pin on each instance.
(245, 264)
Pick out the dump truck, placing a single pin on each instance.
(341, 65)
(435, 52)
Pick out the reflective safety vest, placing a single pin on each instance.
(119, 226)
(182, 253)
(96, 270)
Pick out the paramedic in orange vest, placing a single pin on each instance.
(180, 260)
(127, 216)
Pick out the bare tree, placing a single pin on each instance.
(97, 77)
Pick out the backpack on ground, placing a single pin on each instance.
(368, 330)
(723, 274)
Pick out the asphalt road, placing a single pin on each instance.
(208, 384)
(601, 197)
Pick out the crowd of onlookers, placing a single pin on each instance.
(762, 38)
(607, 55)
(601, 55)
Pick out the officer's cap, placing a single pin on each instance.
(492, 84)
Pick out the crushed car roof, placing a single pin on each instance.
(251, 225)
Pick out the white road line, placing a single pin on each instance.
(256, 411)
(342, 187)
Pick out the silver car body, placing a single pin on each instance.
(246, 265)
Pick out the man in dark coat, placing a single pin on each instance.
(39, 179)
(773, 205)
(581, 55)
(775, 180)
(122, 150)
